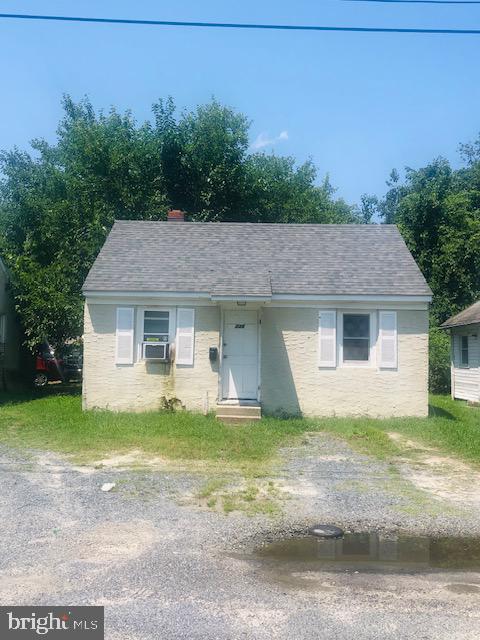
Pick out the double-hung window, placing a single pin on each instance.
(356, 337)
(464, 351)
(156, 334)
(3, 329)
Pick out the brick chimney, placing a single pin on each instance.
(176, 215)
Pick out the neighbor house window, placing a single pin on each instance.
(156, 326)
(356, 337)
(464, 351)
(3, 327)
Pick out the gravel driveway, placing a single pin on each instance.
(165, 567)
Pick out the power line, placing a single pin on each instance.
(420, 1)
(232, 25)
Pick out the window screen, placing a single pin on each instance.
(155, 326)
(356, 337)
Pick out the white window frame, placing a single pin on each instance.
(3, 327)
(464, 365)
(140, 326)
(361, 364)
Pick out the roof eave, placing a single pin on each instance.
(454, 325)
(241, 298)
(98, 293)
(353, 297)
(138, 293)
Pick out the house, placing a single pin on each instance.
(465, 353)
(9, 333)
(318, 320)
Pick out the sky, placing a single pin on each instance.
(358, 104)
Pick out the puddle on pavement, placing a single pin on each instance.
(463, 589)
(371, 553)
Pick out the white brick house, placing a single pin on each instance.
(301, 319)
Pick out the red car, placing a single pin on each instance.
(49, 367)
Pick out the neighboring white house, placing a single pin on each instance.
(318, 320)
(9, 333)
(465, 353)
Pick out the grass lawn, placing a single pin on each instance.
(52, 419)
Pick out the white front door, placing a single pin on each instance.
(240, 355)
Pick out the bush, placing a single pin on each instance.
(439, 360)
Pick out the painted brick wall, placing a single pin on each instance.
(290, 377)
(293, 382)
(140, 386)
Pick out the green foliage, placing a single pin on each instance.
(170, 404)
(439, 360)
(57, 205)
(437, 210)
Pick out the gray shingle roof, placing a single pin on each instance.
(243, 284)
(470, 315)
(255, 259)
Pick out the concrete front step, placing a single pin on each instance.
(251, 411)
(238, 414)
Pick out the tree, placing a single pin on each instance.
(277, 191)
(57, 206)
(437, 210)
(203, 156)
(56, 210)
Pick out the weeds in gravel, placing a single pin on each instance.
(251, 496)
(252, 500)
(210, 487)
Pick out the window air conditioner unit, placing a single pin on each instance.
(155, 351)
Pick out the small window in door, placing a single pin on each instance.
(464, 351)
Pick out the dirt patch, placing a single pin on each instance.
(442, 476)
(116, 542)
(21, 587)
(137, 457)
(407, 443)
(50, 471)
(301, 488)
(259, 617)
